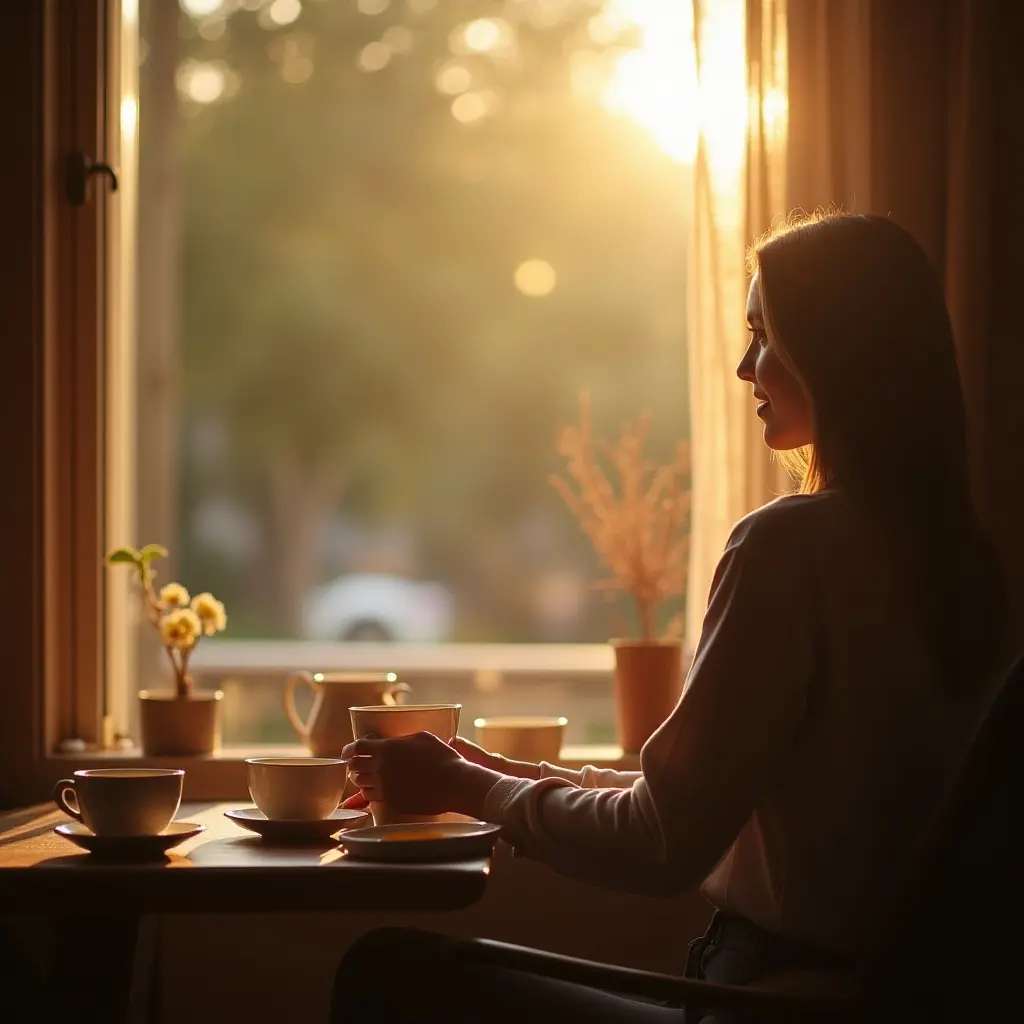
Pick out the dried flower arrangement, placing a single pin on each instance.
(181, 621)
(639, 526)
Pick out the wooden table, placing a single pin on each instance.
(223, 870)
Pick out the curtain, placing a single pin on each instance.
(739, 185)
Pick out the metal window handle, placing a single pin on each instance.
(79, 170)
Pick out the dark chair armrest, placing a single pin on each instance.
(766, 1003)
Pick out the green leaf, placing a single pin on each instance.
(123, 556)
(151, 551)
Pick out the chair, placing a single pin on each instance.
(953, 948)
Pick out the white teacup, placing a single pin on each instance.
(530, 739)
(122, 801)
(389, 721)
(296, 788)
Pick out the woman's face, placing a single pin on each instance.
(783, 404)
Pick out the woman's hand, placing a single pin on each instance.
(419, 774)
(495, 762)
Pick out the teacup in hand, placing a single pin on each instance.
(296, 788)
(122, 801)
(389, 721)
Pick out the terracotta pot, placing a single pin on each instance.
(648, 680)
(180, 726)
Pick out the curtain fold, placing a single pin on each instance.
(739, 186)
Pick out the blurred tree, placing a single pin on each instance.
(361, 182)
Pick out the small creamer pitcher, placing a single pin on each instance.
(329, 726)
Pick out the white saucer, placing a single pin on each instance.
(427, 840)
(129, 847)
(286, 831)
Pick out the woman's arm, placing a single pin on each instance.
(588, 777)
(706, 767)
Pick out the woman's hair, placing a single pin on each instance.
(854, 308)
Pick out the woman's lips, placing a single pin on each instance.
(761, 407)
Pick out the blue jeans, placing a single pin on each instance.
(408, 976)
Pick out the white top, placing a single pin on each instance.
(804, 761)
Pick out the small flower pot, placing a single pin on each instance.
(180, 726)
(648, 681)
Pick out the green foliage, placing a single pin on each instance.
(123, 556)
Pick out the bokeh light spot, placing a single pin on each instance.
(535, 278)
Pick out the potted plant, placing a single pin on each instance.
(636, 515)
(183, 722)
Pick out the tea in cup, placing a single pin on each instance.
(389, 721)
(530, 739)
(296, 788)
(122, 801)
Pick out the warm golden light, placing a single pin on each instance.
(284, 12)
(202, 82)
(129, 118)
(372, 6)
(374, 57)
(657, 83)
(470, 106)
(200, 8)
(482, 35)
(453, 78)
(535, 278)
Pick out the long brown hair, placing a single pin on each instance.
(852, 304)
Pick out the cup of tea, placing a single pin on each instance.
(530, 738)
(390, 720)
(122, 801)
(296, 788)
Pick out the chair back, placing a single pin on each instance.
(955, 950)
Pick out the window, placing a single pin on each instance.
(381, 248)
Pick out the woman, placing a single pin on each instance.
(848, 650)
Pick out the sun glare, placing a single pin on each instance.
(657, 84)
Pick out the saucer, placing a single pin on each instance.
(283, 830)
(426, 840)
(129, 847)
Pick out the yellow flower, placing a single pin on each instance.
(180, 629)
(173, 595)
(211, 613)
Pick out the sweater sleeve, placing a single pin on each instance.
(589, 777)
(704, 770)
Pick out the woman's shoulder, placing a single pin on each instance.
(793, 521)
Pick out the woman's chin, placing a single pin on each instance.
(780, 440)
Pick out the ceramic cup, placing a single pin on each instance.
(296, 788)
(388, 721)
(530, 739)
(122, 801)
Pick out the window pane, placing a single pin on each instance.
(383, 247)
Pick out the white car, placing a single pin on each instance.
(376, 607)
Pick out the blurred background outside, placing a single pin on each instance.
(383, 245)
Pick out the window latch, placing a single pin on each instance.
(79, 170)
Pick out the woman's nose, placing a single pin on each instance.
(745, 369)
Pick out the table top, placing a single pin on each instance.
(225, 869)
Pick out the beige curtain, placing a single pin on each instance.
(739, 186)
